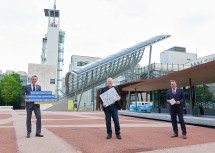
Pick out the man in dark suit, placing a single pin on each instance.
(30, 106)
(111, 110)
(176, 109)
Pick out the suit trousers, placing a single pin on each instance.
(112, 111)
(36, 108)
(174, 112)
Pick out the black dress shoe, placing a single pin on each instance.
(39, 135)
(184, 136)
(28, 135)
(118, 137)
(109, 137)
(174, 135)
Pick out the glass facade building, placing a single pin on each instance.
(94, 74)
(202, 101)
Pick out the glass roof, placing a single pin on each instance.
(121, 53)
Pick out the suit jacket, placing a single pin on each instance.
(27, 90)
(102, 90)
(179, 96)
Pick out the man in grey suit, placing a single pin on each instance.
(30, 106)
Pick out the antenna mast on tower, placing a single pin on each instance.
(54, 10)
(53, 16)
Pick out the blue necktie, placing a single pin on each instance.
(33, 87)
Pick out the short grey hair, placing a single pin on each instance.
(109, 79)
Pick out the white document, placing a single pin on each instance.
(172, 101)
(109, 97)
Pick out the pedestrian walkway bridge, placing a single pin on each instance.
(96, 73)
(93, 73)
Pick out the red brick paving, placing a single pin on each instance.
(8, 140)
(93, 139)
(5, 116)
(60, 116)
(85, 121)
(134, 139)
(72, 122)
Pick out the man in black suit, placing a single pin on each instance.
(30, 106)
(111, 110)
(176, 109)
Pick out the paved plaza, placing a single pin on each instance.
(85, 132)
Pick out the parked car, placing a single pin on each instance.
(141, 106)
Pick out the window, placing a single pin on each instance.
(52, 81)
(81, 63)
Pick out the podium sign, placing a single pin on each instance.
(42, 97)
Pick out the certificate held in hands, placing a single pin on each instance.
(110, 96)
(172, 101)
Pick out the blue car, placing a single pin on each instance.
(141, 106)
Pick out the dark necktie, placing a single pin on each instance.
(33, 87)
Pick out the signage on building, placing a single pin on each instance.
(202, 60)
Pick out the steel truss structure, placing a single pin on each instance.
(78, 81)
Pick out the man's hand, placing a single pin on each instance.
(178, 102)
(119, 98)
(27, 100)
(104, 105)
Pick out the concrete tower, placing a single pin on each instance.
(53, 46)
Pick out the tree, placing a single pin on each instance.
(1, 99)
(10, 88)
(203, 95)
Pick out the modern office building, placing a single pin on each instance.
(204, 93)
(201, 60)
(23, 75)
(46, 78)
(78, 61)
(199, 91)
(9, 71)
(53, 46)
(176, 55)
(198, 83)
(94, 75)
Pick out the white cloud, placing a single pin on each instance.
(103, 27)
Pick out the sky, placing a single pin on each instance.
(103, 27)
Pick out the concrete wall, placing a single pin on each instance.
(76, 58)
(45, 73)
(62, 106)
(175, 57)
(52, 46)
